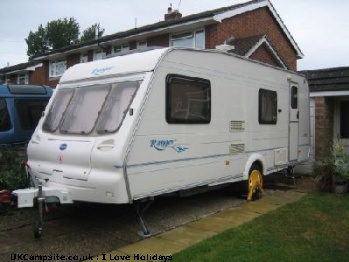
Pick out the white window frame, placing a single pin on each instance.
(23, 76)
(142, 44)
(121, 48)
(189, 35)
(99, 55)
(55, 67)
(83, 58)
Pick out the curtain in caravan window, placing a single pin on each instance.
(188, 100)
(267, 107)
(116, 106)
(57, 109)
(84, 108)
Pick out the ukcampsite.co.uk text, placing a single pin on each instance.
(55, 257)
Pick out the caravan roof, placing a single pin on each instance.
(119, 65)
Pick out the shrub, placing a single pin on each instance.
(12, 172)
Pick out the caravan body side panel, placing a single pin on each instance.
(169, 157)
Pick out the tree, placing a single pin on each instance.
(57, 34)
(37, 43)
(90, 33)
(62, 32)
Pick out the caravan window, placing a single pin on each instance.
(116, 106)
(57, 109)
(188, 100)
(83, 110)
(267, 107)
(294, 97)
(5, 123)
(97, 108)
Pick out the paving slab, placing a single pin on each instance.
(260, 207)
(187, 235)
(154, 245)
(275, 199)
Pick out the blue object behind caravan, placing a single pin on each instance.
(21, 107)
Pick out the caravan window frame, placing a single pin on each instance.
(69, 105)
(185, 112)
(267, 107)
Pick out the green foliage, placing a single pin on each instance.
(89, 33)
(312, 229)
(57, 34)
(62, 32)
(12, 173)
(36, 41)
(332, 169)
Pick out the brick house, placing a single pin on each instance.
(329, 105)
(253, 29)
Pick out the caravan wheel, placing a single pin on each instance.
(255, 183)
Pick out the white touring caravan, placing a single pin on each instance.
(129, 128)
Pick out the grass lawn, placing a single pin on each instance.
(316, 228)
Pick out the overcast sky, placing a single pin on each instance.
(320, 27)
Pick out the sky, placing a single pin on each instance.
(319, 27)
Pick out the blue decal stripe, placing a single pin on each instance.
(173, 160)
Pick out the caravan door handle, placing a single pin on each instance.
(106, 145)
(297, 114)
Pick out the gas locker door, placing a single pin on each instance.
(293, 123)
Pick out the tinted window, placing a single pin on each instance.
(294, 97)
(5, 123)
(188, 100)
(267, 107)
(29, 112)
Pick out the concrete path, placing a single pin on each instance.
(172, 241)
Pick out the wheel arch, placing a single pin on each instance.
(257, 159)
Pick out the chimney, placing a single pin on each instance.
(172, 14)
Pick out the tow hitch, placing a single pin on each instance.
(40, 197)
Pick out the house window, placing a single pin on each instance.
(267, 107)
(57, 67)
(84, 58)
(188, 100)
(344, 123)
(194, 39)
(121, 48)
(142, 44)
(22, 79)
(99, 55)
(5, 123)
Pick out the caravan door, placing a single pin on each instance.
(294, 123)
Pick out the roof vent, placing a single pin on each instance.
(225, 47)
(228, 45)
